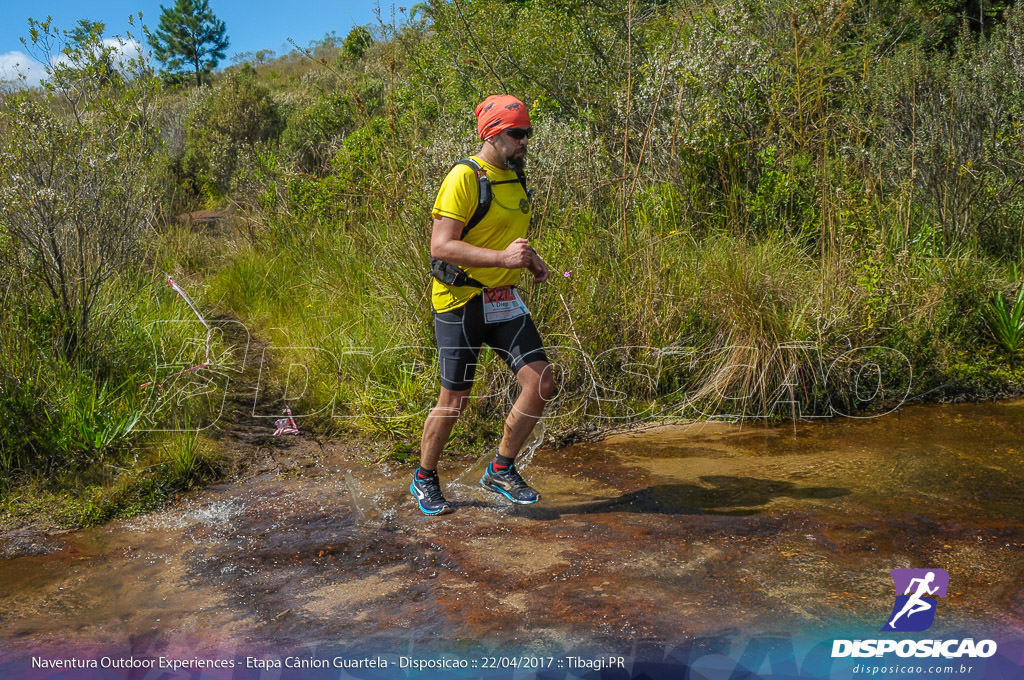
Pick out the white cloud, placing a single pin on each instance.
(13, 65)
(124, 50)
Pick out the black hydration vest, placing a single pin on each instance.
(449, 273)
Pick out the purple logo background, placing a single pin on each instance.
(916, 590)
(901, 578)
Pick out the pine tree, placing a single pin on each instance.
(190, 37)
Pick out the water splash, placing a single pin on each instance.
(526, 451)
(457, 480)
(530, 446)
(365, 506)
(218, 513)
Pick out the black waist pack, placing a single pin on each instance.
(451, 275)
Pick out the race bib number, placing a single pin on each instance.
(502, 304)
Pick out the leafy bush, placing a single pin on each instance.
(314, 130)
(226, 124)
(78, 194)
(78, 179)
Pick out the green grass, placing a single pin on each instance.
(74, 442)
(767, 212)
(1006, 321)
(190, 459)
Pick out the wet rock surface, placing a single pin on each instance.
(660, 536)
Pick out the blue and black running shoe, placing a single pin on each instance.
(428, 493)
(509, 484)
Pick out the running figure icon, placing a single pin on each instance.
(914, 609)
(916, 603)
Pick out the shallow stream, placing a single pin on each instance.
(661, 536)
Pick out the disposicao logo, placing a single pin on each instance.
(914, 611)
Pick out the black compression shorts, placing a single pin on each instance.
(461, 332)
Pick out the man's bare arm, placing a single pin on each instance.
(446, 245)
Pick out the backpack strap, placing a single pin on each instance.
(449, 273)
(521, 178)
(485, 194)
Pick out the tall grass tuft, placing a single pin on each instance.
(759, 303)
(188, 461)
(1006, 321)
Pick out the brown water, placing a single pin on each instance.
(659, 536)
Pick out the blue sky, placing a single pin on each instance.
(251, 24)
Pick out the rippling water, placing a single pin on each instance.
(662, 535)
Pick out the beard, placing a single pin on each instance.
(517, 163)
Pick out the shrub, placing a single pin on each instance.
(224, 125)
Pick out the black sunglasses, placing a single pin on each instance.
(519, 133)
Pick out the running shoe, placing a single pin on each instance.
(509, 484)
(427, 493)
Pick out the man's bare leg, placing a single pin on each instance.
(426, 487)
(537, 385)
(438, 426)
(501, 476)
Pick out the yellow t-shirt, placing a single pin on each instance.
(507, 219)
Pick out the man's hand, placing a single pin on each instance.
(539, 269)
(518, 255)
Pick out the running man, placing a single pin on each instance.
(917, 603)
(477, 259)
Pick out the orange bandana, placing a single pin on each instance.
(500, 112)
